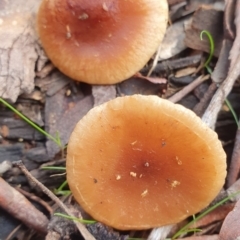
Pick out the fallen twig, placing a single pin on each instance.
(234, 167)
(202, 105)
(182, 93)
(79, 225)
(211, 113)
(19, 207)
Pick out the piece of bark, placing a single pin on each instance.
(195, 4)
(53, 235)
(18, 44)
(210, 19)
(31, 110)
(58, 82)
(200, 90)
(169, 65)
(189, 101)
(37, 154)
(235, 51)
(61, 115)
(229, 28)
(103, 93)
(179, 81)
(211, 113)
(234, 168)
(204, 101)
(179, 95)
(19, 207)
(7, 224)
(192, 6)
(230, 228)
(11, 152)
(216, 215)
(233, 189)
(101, 231)
(34, 95)
(177, 11)
(223, 63)
(136, 85)
(11, 128)
(46, 70)
(173, 41)
(62, 226)
(5, 166)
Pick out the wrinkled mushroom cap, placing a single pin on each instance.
(138, 162)
(101, 41)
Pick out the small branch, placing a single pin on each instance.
(182, 93)
(19, 207)
(80, 226)
(202, 105)
(235, 162)
(211, 113)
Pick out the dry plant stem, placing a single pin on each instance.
(79, 225)
(202, 105)
(235, 51)
(12, 234)
(233, 189)
(19, 207)
(182, 93)
(235, 162)
(155, 61)
(228, 19)
(36, 199)
(211, 113)
(154, 80)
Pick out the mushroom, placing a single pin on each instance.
(101, 41)
(137, 162)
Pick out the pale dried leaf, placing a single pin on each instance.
(18, 47)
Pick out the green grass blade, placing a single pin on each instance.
(184, 229)
(212, 46)
(74, 218)
(53, 168)
(30, 122)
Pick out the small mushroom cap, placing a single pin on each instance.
(101, 41)
(138, 162)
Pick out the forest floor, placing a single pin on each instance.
(197, 66)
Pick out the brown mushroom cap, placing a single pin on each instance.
(138, 162)
(101, 41)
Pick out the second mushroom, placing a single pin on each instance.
(138, 162)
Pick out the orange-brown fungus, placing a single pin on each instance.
(138, 162)
(101, 41)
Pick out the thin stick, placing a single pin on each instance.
(21, 208)
(234, 167)
(182, 93)
(211, 113)
(155, 61)
(80, 226)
